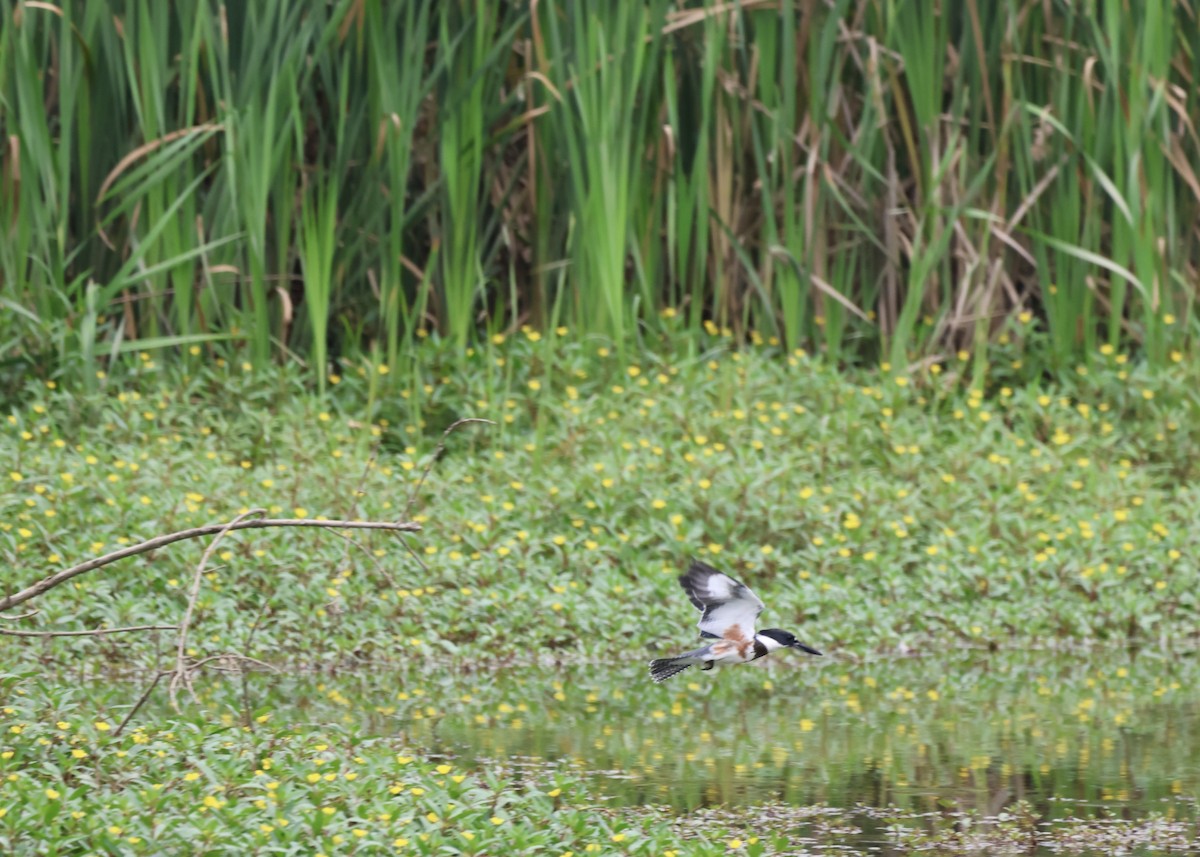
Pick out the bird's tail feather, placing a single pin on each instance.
(662, 669)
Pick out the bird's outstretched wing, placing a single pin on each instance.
(728, 608)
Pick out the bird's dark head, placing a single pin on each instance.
(786, 640)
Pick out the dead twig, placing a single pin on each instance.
(358, 492)
(185, 667)
(12, 632)
(231, 656)
(159, 676)
(441, 447)
(383, 572)
(413, 553)
(7, 602)
(180, 678)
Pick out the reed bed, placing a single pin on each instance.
(872, 180)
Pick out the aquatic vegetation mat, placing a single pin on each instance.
(1003, 579)
(424, 760)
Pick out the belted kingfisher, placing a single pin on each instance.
(728, 610)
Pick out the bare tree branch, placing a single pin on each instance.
(159, 676)
(412, 552)
(358, 492)
(11, 632)
(180, 677)
(412, 497)
(351, 542)
(186, 667)
(233, 656)
(7, 602)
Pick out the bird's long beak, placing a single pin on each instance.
(804, 648)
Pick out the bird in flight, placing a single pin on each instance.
(728, 610)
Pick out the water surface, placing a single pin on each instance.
(1106, 742)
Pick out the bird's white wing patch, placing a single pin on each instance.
(720, 587)
(728, 608)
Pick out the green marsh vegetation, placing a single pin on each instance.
(888, 312)
(975, 566)
(866, 180)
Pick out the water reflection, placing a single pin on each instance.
(1060, 735)
(1057, 734)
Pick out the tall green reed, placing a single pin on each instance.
(397, 36)
(693, 62)
(874, 180)
(602, 61)
(468, 37)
